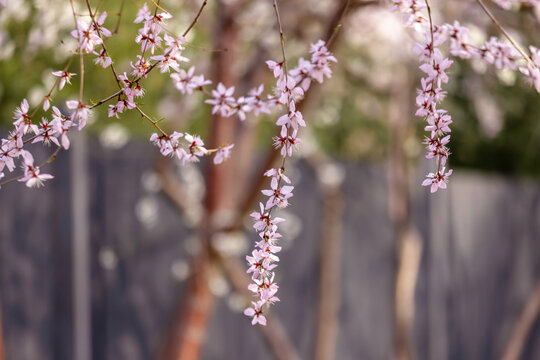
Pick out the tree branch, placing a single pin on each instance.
(523, 326)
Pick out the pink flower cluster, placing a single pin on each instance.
(190, 150)
(496, 52)
(25, 131)
(90, 34)
(290, 88)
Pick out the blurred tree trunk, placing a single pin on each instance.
(408, 247)
(186, 337)
(329, 266)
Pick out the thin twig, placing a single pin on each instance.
(115, 73)
(337, 28)
(117, 27)
(154, 122)
(56, 82)
(195, 19)
(281, 38)
(523, 326)
(272, 155)
(48, 161)
(506, 34)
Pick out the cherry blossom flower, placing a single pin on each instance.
(80, 114)
(46, 102)
(143, 14)
(436, 68)
(32, 176)
(293, 118)
(532, 71)
(23, 122)
(61, 125)
(46, 134)
(196, 148)
(277, 68)
(288, 91)
(88, 35)
(257, 104)
(256, 313)
(102, 59)
(278, 196)
(65, 77)
(186, 82)
(223, 154)
(437, 180)
(223, 101)
(116, 109)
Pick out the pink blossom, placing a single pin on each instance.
(223, 154)
(256, 313)
(143, 14)
(65, 77)
(32, 176)
(80, 114)
(61, 125)
(293, 118)
(277, 68)
(288, 91)
(437, 180)
(23, 122)
(102, 59)
(436, 68)
(278, 196)
(223, 102)
(46, 134)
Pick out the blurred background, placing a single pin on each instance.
(126, 254)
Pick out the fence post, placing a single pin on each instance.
(82, 347)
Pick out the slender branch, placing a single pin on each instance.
(117, 27)
(196, 18)
(523, 326)
(56, 82)
(272, 155)
(281, 38)
(81, 86)
(506, 34)
(430, 25)
(102, 101)
(338, 25)
(48, 161)
(154, 122)
(103, 46)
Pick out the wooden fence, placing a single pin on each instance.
(59, 301)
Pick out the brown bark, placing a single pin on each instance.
(523, 326)
(329, 273)
(220, 179)
(408, 247)
(186, 334)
